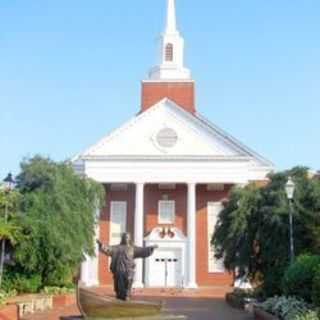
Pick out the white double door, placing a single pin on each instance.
(166, 268)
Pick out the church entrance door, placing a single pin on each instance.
(166, 268)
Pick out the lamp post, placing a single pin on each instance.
(8, 184)
(290, 188)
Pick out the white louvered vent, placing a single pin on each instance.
(167, 138)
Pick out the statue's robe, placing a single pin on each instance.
(123, 266)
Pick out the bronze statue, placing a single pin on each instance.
(123, 265)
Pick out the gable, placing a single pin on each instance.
(166, 130)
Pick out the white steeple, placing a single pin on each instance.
(171, 26)
(170, 51)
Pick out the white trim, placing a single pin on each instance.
(235, 142)
(169, 172)
(168, 81)
(138, 232)
(191, 226)
(90, 267)
(166, 157)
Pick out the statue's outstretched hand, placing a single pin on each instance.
(155, 247)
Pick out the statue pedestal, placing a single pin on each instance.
(96, 307)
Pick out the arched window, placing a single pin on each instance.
(169, 52)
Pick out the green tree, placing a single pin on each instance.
(9, 230)
(252, 233)
(58, 221)
(308, 207)
(237, 227)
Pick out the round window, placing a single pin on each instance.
(167, 138)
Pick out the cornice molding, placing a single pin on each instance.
(165, 157)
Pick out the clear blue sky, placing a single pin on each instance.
(70, 71)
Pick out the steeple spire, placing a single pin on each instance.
(170, 64)
(171, 24)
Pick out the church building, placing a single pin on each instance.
(167, 173)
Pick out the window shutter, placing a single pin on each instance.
(118, 221)
(214, 209)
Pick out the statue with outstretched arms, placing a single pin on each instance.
(123, 265)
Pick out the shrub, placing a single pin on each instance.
(57, 290)
(316, 290)
(58, 219)
(4, 295)
(299, 277)
(310, 315)
(272, 281)
(22, 283)
(285, 308)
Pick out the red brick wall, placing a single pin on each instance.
(204, 278)
(105, 276)
(152, 197)
(182, 93)
(9, 312)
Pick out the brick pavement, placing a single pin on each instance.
(204, 304)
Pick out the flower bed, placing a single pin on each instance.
(285, 308)
(9, 312)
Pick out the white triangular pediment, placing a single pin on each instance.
(188, 135)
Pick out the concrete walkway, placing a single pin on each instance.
(194, 308)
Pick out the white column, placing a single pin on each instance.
(90, 267)
(191, 217)
(138, 232)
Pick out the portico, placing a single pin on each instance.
(139, 215)
(139, 221)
